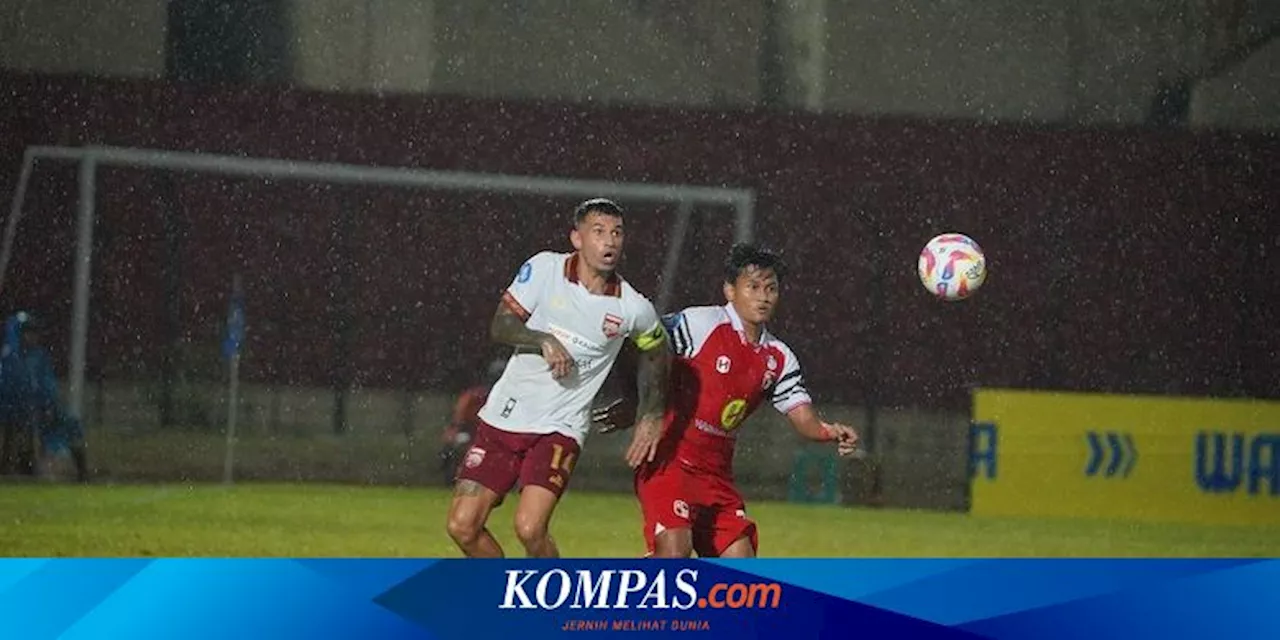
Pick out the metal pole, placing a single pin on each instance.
(15, 214)
(80, 300)
(234, 337)
(233, 399)
(746, 219)
(675, 248)
(339, 173)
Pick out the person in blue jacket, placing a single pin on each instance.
(29, 397)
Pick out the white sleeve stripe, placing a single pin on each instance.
(788, 383)
(791, 393)
(789, 390)
(681, 339)
(789, 405)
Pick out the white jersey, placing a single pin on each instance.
(546, 294)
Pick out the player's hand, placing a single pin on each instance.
(846, 438)
(557, 357)
(644, 444)
(615, 416)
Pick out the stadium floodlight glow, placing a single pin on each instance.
(91, 157)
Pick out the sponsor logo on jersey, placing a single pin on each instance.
(711, 429)
(733, 413)
(574, 341)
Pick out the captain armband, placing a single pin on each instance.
(652, 338)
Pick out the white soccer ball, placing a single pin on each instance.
(952, 266)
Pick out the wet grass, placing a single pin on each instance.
(322, 520)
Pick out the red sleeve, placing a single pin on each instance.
(467, 409)
(515, 306)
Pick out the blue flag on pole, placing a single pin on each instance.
(234, 335)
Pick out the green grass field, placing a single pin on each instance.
(306, 520)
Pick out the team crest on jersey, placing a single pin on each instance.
(475, 455)
(722, 364)
(612, 326)
(681, 509)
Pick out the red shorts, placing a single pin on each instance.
(499, 459)
(673, 497)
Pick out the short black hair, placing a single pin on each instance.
(595, 205)
(744, 255)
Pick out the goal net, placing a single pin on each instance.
(367, 292)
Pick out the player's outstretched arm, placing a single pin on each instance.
(806, 422)
(509, 328)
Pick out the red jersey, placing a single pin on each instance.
(467, 408)
(718, 379)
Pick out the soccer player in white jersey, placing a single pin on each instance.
(567, 315)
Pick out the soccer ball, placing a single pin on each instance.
(952, 266)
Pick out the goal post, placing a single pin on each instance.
(89, 159)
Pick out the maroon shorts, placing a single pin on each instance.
(673, 497)
(499, 459)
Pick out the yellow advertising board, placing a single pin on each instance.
(1129, 457)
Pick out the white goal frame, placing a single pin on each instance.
(90, 158)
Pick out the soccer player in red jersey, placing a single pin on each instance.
(726, 365)
(457, 435)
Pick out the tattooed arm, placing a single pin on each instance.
(653, 369)
(651, 378)
(508, 328)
